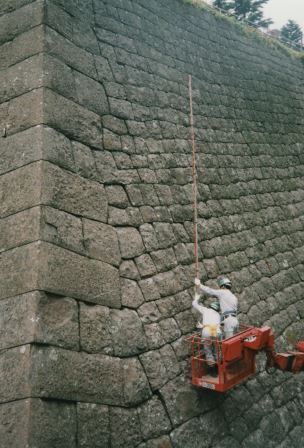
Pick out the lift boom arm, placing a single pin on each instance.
(292, 361)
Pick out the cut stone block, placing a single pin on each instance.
(62, 229)
(20, 20)
(101, 242)
(19, 270)
(15, 116)
(22, 47)
(130, 242)
(31, 145)
(73, 120)
(21, 78)
(19, 229)
(18, 320)
(22, 422)
(56, 321)
(72, 193)
(95, 325)
(15, 366)
(62, 48)
(93, 425)
(127, 333)
(20, 189)
(72, 275)
(41, 318)
(68, 375)
(58, 271)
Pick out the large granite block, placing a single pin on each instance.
(20, 189)
(21, 78)
(69, 274)
(16, 22)
(22, 47)
(77, 58)
(20, 228)
(50, 268)
(19, 270)
(15, 116)
(15, 367)
(37, 423)
(31, 145)
(93, 425)
(63, 374)
(72, 119)
(41, 318)
(101, 242)
(62, 229)
(72, 193)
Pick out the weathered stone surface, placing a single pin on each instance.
(95, 329)
(22, 422)
(20, 20)
(66, 273)
(160, 366)
(153, 419)
(21, 78)
(101, 242)
(56, 321)
(38, 317)
(19, 229)
(184, 402)
(130, 242)
(58, 271)
(16, 118)
(91, 94)
(17, 275)
(131, 295)
(160, 442)
(62, 48)
(63, 374)
(69, 192)
(250, 193)
(22, 47)
(20, 189)
(128, 269)
(93, 423)
(71, 119)
(18, 320)
(15, 366)
(127, 333)
(136, 386)
(125, 428)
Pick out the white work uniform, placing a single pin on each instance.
(228, 304)
(211, 327)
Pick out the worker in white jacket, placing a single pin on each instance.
(228, 303)
(211, 327)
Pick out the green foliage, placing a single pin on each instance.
(249, 10)
(292, 32)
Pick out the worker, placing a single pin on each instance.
(211, 328)
(228, 303)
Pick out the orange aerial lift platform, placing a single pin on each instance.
(235, 358)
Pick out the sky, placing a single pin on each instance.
(280, 11)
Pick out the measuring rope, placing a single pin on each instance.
(194, 181)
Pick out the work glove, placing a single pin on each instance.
(197, 282)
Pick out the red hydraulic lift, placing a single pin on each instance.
(236, 358)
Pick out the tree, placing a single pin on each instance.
(249, 10)
(292, 31)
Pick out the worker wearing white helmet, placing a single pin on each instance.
(210, 325)
(228, 303)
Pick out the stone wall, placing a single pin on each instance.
(96, 262)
